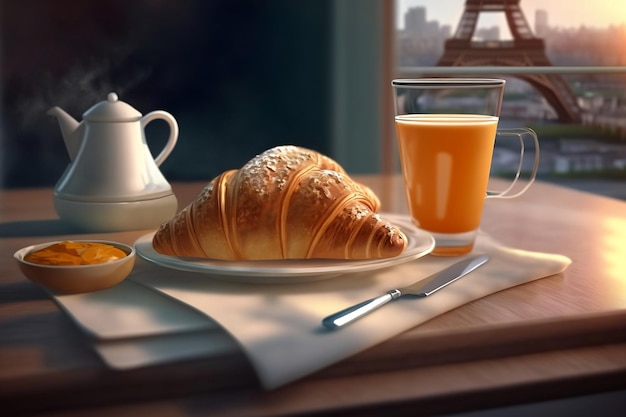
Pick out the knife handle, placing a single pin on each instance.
(350, 314)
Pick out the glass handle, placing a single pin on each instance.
(519, 133)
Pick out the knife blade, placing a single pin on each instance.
(421, 288)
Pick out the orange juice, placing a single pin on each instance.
(446, 159)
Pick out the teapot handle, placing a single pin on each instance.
(171, 141)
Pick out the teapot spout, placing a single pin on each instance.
(71, 130)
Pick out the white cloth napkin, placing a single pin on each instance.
(279, 326)
(131, 325)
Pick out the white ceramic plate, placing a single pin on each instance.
(420, 243)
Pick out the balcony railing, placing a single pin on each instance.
(408, 72)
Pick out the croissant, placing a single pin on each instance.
(286, 203)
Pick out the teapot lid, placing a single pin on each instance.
(112, 110)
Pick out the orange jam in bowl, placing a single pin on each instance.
(75, 253)
(77, 266)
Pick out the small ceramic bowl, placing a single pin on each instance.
(73, 279)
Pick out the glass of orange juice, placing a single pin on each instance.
(446, 130)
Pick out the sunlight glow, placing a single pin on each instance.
(614, 249)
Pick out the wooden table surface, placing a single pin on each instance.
(557, 337)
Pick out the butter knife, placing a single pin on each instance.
(422, 288)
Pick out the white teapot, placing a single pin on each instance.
(113, 183)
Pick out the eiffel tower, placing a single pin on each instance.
(523, 50)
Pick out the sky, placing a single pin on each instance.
(591, 13)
